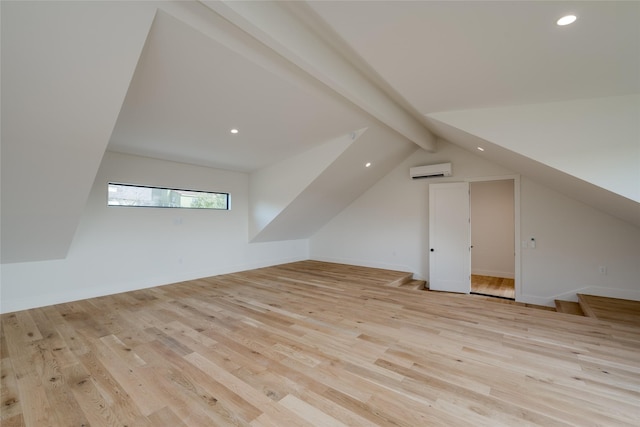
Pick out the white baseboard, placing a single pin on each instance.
(43, 300)
(370, 264)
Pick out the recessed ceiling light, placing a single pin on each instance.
(366, 165)
(566, 20)
(480, 148)
(234, 131)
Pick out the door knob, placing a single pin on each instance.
(432, 250)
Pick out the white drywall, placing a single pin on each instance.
(492, 228)
(295, 32)
(66, 67)
(573, 241)
(117, 249)
(338, 184)
(596, 140)
(387, 227)
(273, 188)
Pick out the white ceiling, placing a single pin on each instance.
(454, 55)
(290, 76)
(189, 91)
(430, 56)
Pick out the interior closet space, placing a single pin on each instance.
(492, 206)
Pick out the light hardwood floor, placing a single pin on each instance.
(611, 309)
(313, 344)
(493, 286)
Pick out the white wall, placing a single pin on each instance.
(572, 241)
(120, 249)
(595, 139)
(273, 188)
(387, 227)
(117, 249)
(66, 67)
(492, 228)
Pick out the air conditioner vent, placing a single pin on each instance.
(430, 171)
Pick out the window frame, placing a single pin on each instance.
(152, 187)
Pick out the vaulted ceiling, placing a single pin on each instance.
(460, 55)
(170, 79)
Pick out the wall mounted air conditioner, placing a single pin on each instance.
(430, 171)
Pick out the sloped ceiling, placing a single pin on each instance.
(428, 60)
(190, 90)
(338, 185)
(549, 100)
(65, 71)
(289, 75)
(595, 139)
(607, 201)
(461, 55)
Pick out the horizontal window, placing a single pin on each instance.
(157, 197)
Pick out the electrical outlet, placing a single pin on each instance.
(602, 269)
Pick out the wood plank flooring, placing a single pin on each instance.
(493, 286)
(569, 307)
(611, 309)
(313, 344)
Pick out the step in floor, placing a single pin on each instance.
(569, 307)
(611, 309)
(414, 284)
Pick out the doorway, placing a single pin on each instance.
(494, 252)
(492, 217)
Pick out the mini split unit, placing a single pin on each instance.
(430, 171)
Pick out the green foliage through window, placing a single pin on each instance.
(157, 197)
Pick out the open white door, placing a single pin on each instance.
(449, 237)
